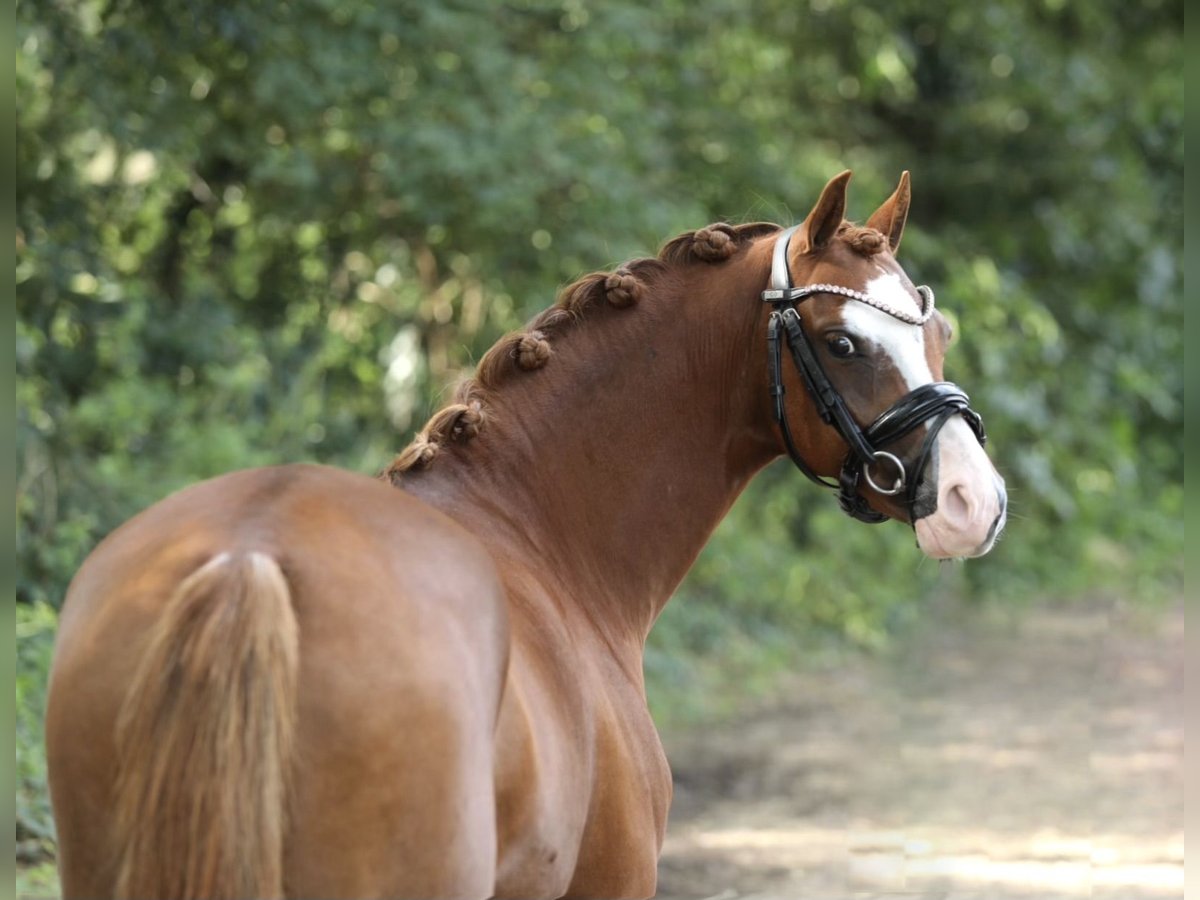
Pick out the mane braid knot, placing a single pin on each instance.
(416, 455)
(714, 243)
(532, 350)
(862, 240)
(467, 420)
(622, 289)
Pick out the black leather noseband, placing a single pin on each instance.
(933, 403)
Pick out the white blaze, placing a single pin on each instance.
(903, 343)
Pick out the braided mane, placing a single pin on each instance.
(531, 348)
(862, 240)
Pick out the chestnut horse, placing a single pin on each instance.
(297, 681)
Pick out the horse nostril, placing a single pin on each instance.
(956, 504)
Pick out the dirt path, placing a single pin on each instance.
(1037, 758)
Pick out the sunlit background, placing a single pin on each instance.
(263, 232)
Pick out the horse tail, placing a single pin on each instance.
(205, 738)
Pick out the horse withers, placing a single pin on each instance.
(297, 681)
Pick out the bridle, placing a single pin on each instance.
(934, 403)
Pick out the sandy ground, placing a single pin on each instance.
(1032, 756)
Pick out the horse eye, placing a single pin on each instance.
(841, 346)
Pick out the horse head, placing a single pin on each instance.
(867, 347)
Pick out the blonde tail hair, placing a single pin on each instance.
(205, 739)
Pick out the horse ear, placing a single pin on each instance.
(890, 217)
(822, 223)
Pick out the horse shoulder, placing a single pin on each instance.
(582, 782)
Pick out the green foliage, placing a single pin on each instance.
(35, 637)
(264, 232)
(40, 880)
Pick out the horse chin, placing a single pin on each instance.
(942, 543)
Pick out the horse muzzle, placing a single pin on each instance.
(972, 504)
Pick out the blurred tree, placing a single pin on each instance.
(273, 231)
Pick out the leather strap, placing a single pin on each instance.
(775, 377)
(933, 403)
(781, 275)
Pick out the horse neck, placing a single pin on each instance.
(605, 472)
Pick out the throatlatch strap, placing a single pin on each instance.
(775, 376)
(829, 401)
